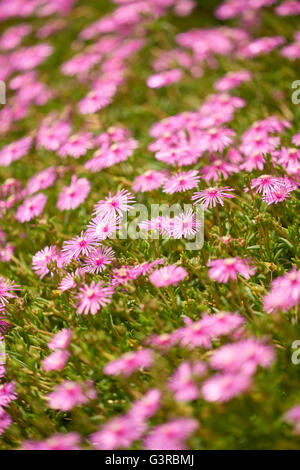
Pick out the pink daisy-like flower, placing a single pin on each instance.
(130, 362)
(185, 225)
(14, 151)
(92, 297)
(170, 435)
(69, 281)
(147, 405)
(182, 381)
(60, 340)
(284, 293)
(67, 395)
(97, 99)
(168, 275)
(72, 196)
(183, 181)
(43, 258)
(221, 270)
(296, 139)
(265, 184)
(98, 260)
(119, 432)
(218, 168)
(77, 145)
(288, 8)
(5, 420)
(56, 360)
(224, 387)
(200, 333)
(31, 207)
(5, 290)
(41, 180)
(164, 78)
(232, 80)
(244, 356)
(293, 416)
(216, 139)
(149, 181)
(103, 227)
(281, 193)
(114, 205)
(209, 197)
(52, 136)
(81, 245)
(7, 393)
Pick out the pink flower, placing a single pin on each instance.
(168, 275)
(81, 245)
(14, 151)
(221, 270)
(74, 195)
(216, 139)
(13, 36)
(31, 207)
(182, 381)
(293, 416)
(102, 227)
(209, 197)
(183, 181)
(147, 406)
(288, 8)
(61, 340)
(170, 436)
(118, 433)
(164, 78)
(5, 290)
(56, 360)
(296, 139)
(149, 181)
(69, 280)
(185, 225)
(69, 394)
(43, 258)
(260, 46)
(7, 393)
(68, 441)
(98, 260)
(281, 193)
(130, 362)
(265, 184)
(218, 168)
(28, 58)
(97, 99)
(52, 135)
(92, 297)
(114, 205)
(5, 420)
(77, 145)
(42, 180)
(202, 332)
(284, 293)
(224, 387)
(242, 357)
(232, 80)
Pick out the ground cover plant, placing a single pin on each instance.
(149, 242)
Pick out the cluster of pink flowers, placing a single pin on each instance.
(195, 152)
(60, 354)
